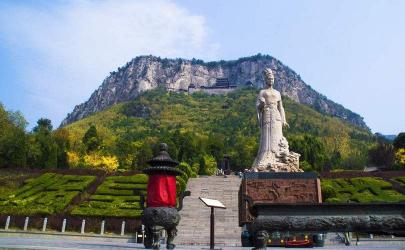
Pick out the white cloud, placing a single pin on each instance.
(65, 50)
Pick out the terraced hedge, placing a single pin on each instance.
(47, 194)
(401, 180)
(117, 196)
(364, 189)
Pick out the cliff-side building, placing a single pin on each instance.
(221, 86)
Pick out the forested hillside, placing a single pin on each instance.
(200, 129)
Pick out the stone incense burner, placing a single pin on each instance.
(161, 212)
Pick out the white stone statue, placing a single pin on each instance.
(273, 155)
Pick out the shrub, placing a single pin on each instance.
(328, 191)
(181, 184)
(208, 165)
(304, 165)
(73, 159)
(195, 167)
(185, 167)
(95, 160)
(400, 157)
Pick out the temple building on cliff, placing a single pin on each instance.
(221, 86)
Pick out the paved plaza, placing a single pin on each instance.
(35, 243)
(30, 241)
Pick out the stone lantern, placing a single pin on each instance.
(161, 212)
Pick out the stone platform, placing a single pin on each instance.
(194, 227)
(276, 188)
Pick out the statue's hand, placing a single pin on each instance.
(285, 124)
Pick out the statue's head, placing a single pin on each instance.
(268, 77)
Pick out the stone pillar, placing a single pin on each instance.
(102, 227)
(63, 226)
(44, 224)
(123, 228)
(26, 223)
(7, 223)
(83, 226)
(143, 233)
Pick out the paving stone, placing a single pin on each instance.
(195, 216)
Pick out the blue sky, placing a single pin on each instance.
(54, 54)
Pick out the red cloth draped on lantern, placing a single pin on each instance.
(161, 191)
(162, 179)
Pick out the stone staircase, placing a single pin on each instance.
(194, 227)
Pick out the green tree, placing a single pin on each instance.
(188, 146)
(382, 154)
(91, 139)
(399, 141)
(61, 137)
(17, 119)
(304, 165)
(43, 123)
(144, 154)
(312, 150)
(13, 139)
(125, 150)
(216, 145)
(34, 153)
(43, 150)
(13, 148)
(242, 152)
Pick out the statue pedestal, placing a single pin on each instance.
(269, 188)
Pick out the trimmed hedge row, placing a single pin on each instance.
(363, 189)
(401, 180)
(117, 196)
(47, 194)
(358, 174)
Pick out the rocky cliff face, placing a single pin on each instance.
(148, 72)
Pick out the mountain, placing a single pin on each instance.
(148, 72)
(199, 124)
